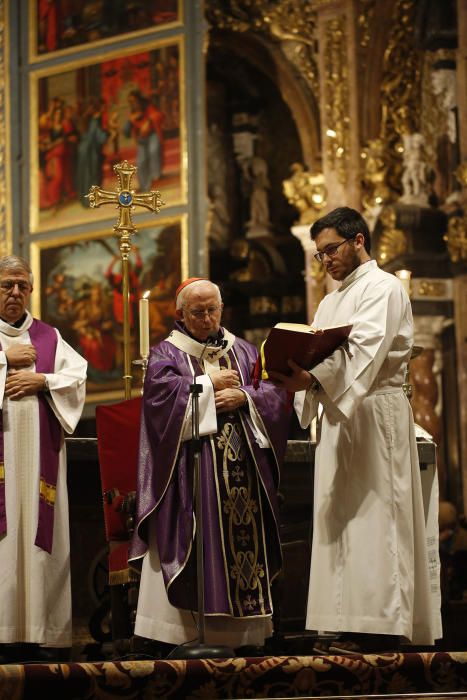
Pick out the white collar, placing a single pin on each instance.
(201, 350)
(13, 331)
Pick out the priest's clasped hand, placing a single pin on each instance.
(299, 379)
(21, 355)
(22, 382)
(225, 379)
(229, 400)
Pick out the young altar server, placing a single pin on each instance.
(372, 576)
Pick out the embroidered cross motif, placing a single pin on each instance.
(243, 538)
(237, 473)
(249, 603)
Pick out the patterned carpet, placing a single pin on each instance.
(263, 677)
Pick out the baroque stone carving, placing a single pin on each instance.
(289, 23)
(414, 170)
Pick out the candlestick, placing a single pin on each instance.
(404, 276)
(144, 326)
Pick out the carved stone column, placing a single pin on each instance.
(425, 377)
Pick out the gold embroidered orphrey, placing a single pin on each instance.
(125, 200)
(245, 546)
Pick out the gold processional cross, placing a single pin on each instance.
(125, 200)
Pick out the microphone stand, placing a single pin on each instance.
(199, 650)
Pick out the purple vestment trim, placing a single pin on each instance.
(44, 339)
(2, 480)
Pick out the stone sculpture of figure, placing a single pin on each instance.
(259, 208)
(219, 168)
(218, 217)
(443, 82)
(414, 175)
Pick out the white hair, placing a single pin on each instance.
(189, 287)
(16, 264)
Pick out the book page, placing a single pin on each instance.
(298, 327)
(305, 328)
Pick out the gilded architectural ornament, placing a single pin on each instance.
(365, 10)
(461, 174)
(456, 238)
(392, 241)
(318, 273)
(306, 192)
(336, 94)
(432, 288)
(4, 244)
(400, 88)
(290, 23)
(375, 192)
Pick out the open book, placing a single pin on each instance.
(306, 345)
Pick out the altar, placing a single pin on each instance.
(91, 592)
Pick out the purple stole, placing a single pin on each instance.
(44, 339)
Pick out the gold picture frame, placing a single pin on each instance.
(53, 33)
(88, 114)
(77, 289)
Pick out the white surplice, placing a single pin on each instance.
(370, 570)
(35, 587)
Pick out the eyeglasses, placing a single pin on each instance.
(331, 250)
(200, 313)
(8, 286)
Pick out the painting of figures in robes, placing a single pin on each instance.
(88, 117)
(80, 293)
(61, 25)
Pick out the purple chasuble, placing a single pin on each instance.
(239, 480)
(44, 339)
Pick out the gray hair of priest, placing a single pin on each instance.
(17, 264)
(181, 297)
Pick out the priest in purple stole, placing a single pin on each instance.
(42, 390)
(243, 434)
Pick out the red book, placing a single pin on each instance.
(306, 345)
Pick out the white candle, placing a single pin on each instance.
(144, 326)
(404, 276)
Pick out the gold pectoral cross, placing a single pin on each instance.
(125, 200)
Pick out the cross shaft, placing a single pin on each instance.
(126, 200)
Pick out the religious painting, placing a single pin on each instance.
(78, 289)
(65, 25)
(87, 117)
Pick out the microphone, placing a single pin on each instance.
(211, 341)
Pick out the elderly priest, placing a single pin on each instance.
(244, 436)
(42, 390)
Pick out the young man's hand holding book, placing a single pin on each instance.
(291, 350)
(297, 381)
